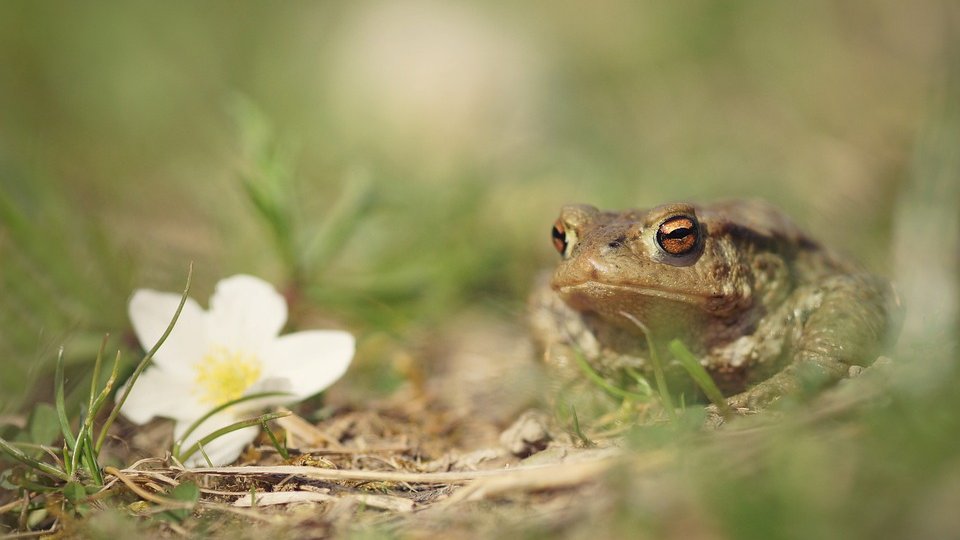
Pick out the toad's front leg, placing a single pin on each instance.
(848, 327)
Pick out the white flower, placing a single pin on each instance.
(232, 350)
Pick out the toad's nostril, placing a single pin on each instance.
(618, 242)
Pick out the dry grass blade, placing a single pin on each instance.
(29, 534)
(459, 477)
(395, 449)
(281, 497)
(558, 476)
(10, 506)
(389, 503)
(144, 494)
(299, 428)
(381, 502)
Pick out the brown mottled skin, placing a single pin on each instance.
(763, 306)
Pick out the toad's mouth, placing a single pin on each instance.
(595, 293)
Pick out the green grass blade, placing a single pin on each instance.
(37, 487)
(281, 448)
(658, 374)
(90, 458)
(203, 453)
(605, 385)
(193, 427)
(577, 430)
(96, 372)
(16, 454)
(78, 447)
(640, 380)
(698, 374)
(104, 394)
(58, 389)
(230, 429)
(66, 460)
(143, 364)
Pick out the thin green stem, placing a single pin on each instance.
(658, 373)
(229, 429)
(204, 454)
(193, 427)
(50, 451)
(143, 364)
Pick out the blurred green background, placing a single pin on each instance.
(421, 149)
(391, 165)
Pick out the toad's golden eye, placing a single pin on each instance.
(559, 235)
(678, 235)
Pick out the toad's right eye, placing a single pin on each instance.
(678, 235)
(559, 236)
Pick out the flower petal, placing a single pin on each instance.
(246, 313)
(223, 450)
(311, 360)
(151, 311)
(160, 393)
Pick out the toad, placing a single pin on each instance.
(765, 309)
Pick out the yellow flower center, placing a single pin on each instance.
(224, 374)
